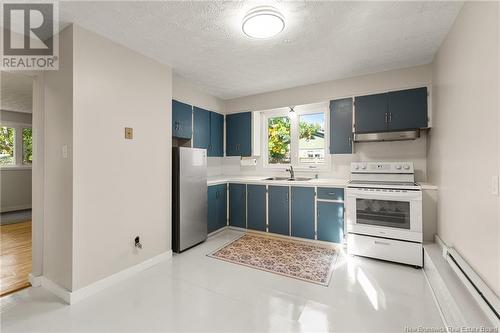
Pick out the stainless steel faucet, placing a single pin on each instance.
(292, 173)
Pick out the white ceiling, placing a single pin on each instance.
(16, 92)
(202, 40)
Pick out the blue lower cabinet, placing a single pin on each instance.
(237, 205)
(279, 210)
(330, 221)
(212, 209)
(256, 212)
(217, 211)
(303, 212)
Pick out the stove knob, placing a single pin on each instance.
(356, 167)
(398, 167)
(363, 167)
(407, 167)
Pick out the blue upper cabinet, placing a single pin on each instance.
(341, 126)
(256, 203)
(181, 120)
(278, 214)
(371, 113)
(238, 205)
(407, 109)
(239, 134)
(201, 135)
(216, 135)
(303, 212)
(392, 111)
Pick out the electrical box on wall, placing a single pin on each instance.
(129, 133)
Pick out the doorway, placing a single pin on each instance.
(16, 157)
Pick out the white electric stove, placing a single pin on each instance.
(384, 212)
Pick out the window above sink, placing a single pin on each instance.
(298, 138)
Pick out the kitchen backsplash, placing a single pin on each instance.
(414, 151)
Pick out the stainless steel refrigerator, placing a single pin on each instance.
(189, 197)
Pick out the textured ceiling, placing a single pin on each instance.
(16, 92)
(202, 40)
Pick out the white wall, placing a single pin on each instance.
(188, 92)
(370, 151)
(58, 189)
(121, 188)
(185, 91)
(464, 145)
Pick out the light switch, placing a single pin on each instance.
(129, 133)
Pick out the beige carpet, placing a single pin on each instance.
(297, 259)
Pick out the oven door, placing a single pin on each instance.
(385, 213)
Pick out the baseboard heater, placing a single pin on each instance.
(484, 296)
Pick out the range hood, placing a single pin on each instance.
(387, 136)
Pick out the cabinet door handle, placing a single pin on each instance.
(331, 193)
(390, 117)
(286, 200)
(381, 243)
(386, 118)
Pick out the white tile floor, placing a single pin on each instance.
(193, 292)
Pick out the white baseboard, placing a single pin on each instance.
(72, 297)
(15, 208)
(218, 231)
(56, 289)
(35, 281)
(315, 241)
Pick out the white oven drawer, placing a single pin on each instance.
(386, 249)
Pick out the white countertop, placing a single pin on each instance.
(336, 182)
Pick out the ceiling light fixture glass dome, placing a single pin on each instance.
(263, 22)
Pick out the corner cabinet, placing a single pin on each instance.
(341, 138)
(215, 148)
(392, 111)
(201, 125)
(181, 120)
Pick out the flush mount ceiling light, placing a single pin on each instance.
(263, 22)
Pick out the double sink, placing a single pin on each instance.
(295, 179)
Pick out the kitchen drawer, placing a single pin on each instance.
(331, 193)
(385, 249)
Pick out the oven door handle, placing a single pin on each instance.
(395, 196)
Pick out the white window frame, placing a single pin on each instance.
(18, 145)
(322, 107)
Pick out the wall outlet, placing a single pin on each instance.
(494, 185)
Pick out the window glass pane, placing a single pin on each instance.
(312, 138)
(27, 146)
(278, 131)
(6, 146)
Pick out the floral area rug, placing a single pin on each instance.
(297, 259)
